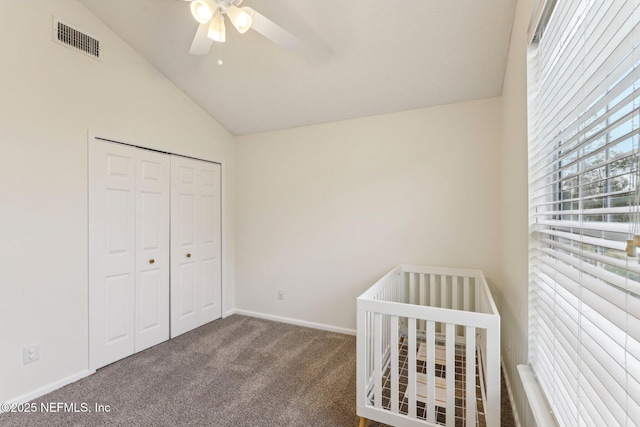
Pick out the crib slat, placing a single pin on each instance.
(369, 343)
(467, 294)
(432, 289)
(443, 291)
(411, 387)
(423, 297)
(394, 364)
(459, 330)
(492, 377)
(402, 280)
(377, 359)
(477, 285)
(394, 291)
(451, 374)
(431, 371)
(412, 288)
(470, 370)
(454, 292)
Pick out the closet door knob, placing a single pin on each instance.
(188, 255)
(151, 261)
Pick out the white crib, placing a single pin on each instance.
(428, 349)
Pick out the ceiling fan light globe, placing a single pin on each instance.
(239, 18)
(201, 12)
(217, 31)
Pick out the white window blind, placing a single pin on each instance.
(584, 145)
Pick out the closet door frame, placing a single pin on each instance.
(126, 141)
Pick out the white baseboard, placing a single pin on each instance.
(297, 322)
(510, 392)
(34, 394)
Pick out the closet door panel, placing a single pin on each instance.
(185, 290)
(195, 241)
(112, 253)
(117, 289)
(118, 206)
(210, 302)
(188, 292)
(148, 317)
(152, 243)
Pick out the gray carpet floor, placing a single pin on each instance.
(238, 371)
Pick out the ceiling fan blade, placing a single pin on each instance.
(201, 43)
(272, 31)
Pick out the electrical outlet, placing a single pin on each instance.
(31, 353)
(280, 294)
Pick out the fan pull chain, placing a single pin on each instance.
(219, 47)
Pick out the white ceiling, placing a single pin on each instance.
(357, 58)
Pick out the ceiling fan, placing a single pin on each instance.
(210, 14)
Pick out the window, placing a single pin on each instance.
(584, 192)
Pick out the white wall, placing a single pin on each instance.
(49, 97)
(513, 290)
(324, 211)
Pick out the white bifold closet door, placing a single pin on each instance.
(195, 244)
(129, 200)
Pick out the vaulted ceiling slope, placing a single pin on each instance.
(357, 58)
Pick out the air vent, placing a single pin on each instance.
(75, 39)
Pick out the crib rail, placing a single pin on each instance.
(443, 315)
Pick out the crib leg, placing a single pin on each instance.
(363, 422)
